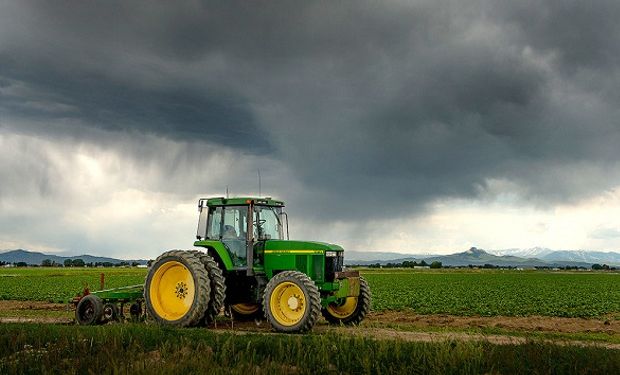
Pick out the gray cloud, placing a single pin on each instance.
(391, 104)
(604, 233)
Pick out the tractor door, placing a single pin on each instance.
(229, 224)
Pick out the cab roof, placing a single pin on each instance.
(239, 201)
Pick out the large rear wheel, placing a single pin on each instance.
(177, 289)
(349, 310)
(292, 302)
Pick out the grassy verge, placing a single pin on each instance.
(30, 348)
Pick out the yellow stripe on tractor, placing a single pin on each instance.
(294, 251)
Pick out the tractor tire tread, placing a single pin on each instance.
(218, 287)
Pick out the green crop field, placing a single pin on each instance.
(61, 284)
(482, 292)
(489, 293)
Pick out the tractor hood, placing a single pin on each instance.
(300, 245)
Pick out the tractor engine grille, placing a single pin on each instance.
(333, 265)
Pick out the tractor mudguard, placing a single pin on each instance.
(219, 252)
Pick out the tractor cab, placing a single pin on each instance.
(241, 225)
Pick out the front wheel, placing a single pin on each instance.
(349, 310)
(292, 302)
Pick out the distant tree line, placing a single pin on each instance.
(405, 264)
(436, 264)
(604, 267)
(71, 263)
(80, 263)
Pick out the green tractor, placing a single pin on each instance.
(248, 268)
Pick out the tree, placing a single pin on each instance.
(46, 263)
(597, 266)
(21, 264)
(77, 262)
(68, 263)
(436, 264)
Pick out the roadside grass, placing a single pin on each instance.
(139, 348)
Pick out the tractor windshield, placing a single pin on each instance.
(267, 223)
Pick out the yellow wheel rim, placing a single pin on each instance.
(172, 290)
(343, 310)
(287, 303)
(245, 308)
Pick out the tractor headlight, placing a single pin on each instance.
(331, 253)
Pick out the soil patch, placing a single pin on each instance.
(529, 323)
(31, 305)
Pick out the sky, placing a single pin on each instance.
(409, 126)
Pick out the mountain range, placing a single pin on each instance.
(537, 257)
(35, 258)
(563, 255)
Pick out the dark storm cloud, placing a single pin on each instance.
(391, 103)
(35, 92)
(584, 35)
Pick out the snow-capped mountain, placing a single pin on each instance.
(584, 256)
(610, 258)
(534, 252)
